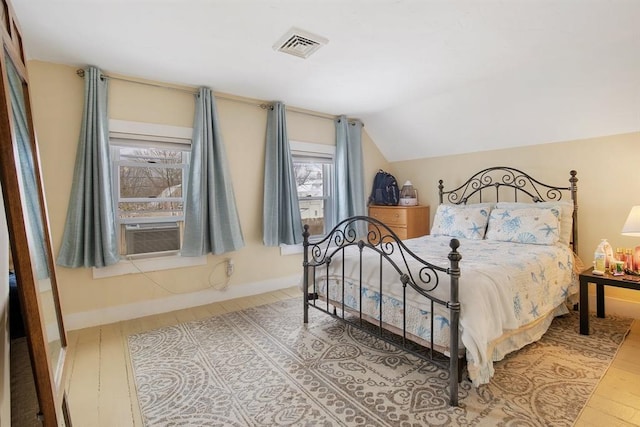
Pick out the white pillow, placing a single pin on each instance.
(466, 221)
(566, 214)
(538, 226)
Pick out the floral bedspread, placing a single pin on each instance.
(503, 287)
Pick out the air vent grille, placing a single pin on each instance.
(146, 238)
(299, 43)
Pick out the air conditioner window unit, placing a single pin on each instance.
(152, 237)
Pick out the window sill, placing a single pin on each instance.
(291, 249)
(299, 248)
(144, 265)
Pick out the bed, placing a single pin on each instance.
(488, 280)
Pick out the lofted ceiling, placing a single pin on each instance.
(427, 77)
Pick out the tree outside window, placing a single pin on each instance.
(313, 180)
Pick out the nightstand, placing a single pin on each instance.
(406, 221)
(587, 277)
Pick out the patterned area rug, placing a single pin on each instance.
(263, 367)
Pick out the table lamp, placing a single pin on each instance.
(632, 225)
(632, 228)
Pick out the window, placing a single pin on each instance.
(313, 169)
(149, 166)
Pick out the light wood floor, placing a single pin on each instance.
(101, 390)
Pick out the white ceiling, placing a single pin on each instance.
(427, 77)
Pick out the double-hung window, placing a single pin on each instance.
(149, 170)
(314, 174)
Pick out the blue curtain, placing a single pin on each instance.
(350, 197)
(33, 213)
(281, 222)
(90, 238)
(211, 222)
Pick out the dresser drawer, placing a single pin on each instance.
(388, 216)
(406, 221)
(375, 232)
(401, 232)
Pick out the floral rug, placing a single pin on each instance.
(263, 367)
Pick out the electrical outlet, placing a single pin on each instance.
(229, 267)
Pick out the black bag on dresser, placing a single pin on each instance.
(385, 190)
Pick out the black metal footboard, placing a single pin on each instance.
(390, 253)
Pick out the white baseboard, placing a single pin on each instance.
(617, 307)
(86, 319)
(108, 315)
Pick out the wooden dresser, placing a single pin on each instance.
(406, 221)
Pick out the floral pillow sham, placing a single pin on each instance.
(538, 226)
(463, 221)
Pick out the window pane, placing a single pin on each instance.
(150, 155)
(149, 209)
(150, 182)
(313, 177)
(312, 213)
(309, 179)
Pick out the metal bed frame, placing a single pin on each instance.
(424, 278)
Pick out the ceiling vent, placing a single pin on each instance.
(299, 43)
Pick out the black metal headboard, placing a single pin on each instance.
(523, 185)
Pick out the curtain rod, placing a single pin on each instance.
(262, 104)
(269, 106)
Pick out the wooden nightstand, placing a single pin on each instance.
(586, 277)
(406, 221)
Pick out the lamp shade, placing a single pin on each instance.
(632, 225)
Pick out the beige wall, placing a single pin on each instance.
(606, 167)
(57, 96)
(608, 174)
